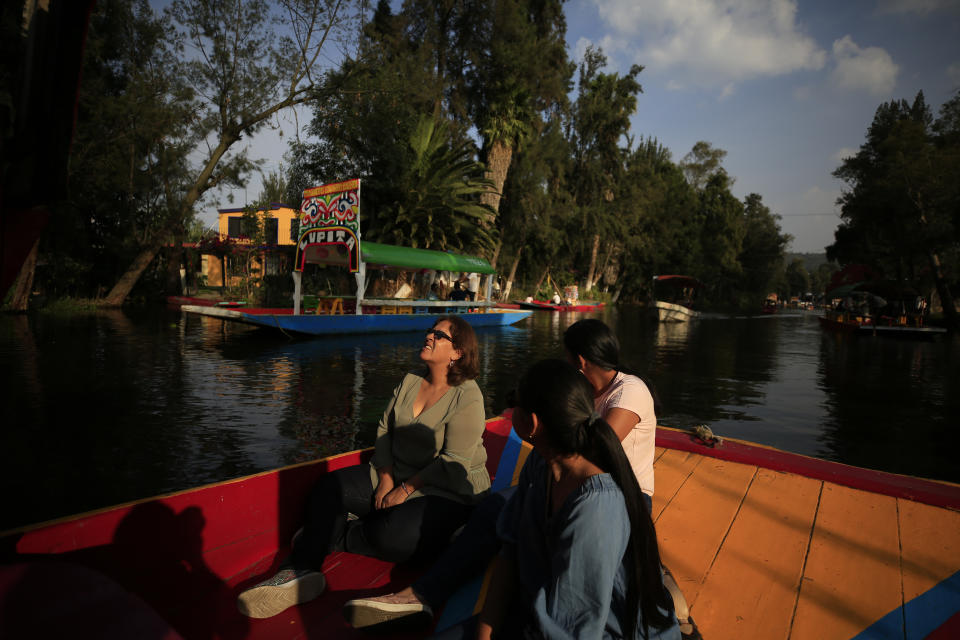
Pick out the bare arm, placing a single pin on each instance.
(622, 421)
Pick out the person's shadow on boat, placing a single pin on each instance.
(151, 581)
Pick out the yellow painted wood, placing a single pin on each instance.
(693, 525)
(930, 544)
(751, 590)
(670, 471)
(852, 575)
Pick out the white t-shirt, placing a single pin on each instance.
(473, 282)
(630, 393)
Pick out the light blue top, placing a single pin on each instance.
(571, 565)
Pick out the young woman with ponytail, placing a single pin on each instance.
(579, 555)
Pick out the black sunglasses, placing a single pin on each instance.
(439, 335)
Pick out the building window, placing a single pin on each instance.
(234, 226)
(271, 230)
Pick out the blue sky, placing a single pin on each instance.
(786, 87)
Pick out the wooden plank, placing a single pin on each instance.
(752, 588)
(930, 544)
(692, 527)
(852, 575)
(670, 470)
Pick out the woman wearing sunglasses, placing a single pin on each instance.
(427, 472)
(579, 555)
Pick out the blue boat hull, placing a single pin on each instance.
(318, 325)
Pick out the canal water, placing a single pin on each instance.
(108, 407)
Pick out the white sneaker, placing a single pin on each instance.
(286, 588)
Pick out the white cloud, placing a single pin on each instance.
(842, 154)
(727, 91)
(921, 7)
(870, 68)
(953, 72)
(712, 42)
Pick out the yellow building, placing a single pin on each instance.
(281, 224)
(280, 230)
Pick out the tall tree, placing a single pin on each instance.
(518, 75)
(600, 121)
(762, 251)
(899, 211)
(702, 163)
(247, 60)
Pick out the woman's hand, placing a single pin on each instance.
(384, 487)
(396, 496)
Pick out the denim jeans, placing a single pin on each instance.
(399, 533)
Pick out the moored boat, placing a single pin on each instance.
(330, 235)
(674, 297)
(763, 543)
(541, 305)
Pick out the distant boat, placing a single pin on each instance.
(879, 308)
(541, 305)
(674, 296)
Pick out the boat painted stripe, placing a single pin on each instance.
(926, 615)
(508, 466)
(932, 492)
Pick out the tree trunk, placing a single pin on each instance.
(943, 289)
(593, 263)
(513, 273)
(127, 281)
(498, 163)
(540, 281)
(24, 282)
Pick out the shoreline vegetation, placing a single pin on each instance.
(474, 132)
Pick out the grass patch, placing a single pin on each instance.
(67, 306)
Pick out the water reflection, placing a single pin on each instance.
(110, 407)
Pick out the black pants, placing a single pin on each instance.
(414, 528)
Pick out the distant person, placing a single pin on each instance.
(434, 292)
(556, 298)
(473, 285)
(458, 294)
(428, 470)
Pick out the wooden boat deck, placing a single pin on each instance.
(763, 543)
(768, 554)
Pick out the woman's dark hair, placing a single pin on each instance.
(595, 342)
(563, 400)
(465, 341)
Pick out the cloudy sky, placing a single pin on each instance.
(786, 87)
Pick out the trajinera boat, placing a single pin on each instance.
(673, 298)
(330, 235)
(878, 308)
(763, 544)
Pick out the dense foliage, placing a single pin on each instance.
(469, 125)
(900, 210)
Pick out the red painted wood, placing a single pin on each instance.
(931, 492)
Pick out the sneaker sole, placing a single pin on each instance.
(362, 614)
(268, 600)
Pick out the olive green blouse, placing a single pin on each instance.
(443, 446)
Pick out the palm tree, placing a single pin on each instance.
(439, 206)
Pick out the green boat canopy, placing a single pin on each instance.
(374, 253)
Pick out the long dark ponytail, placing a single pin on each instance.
(563, 400)
(595, 342)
